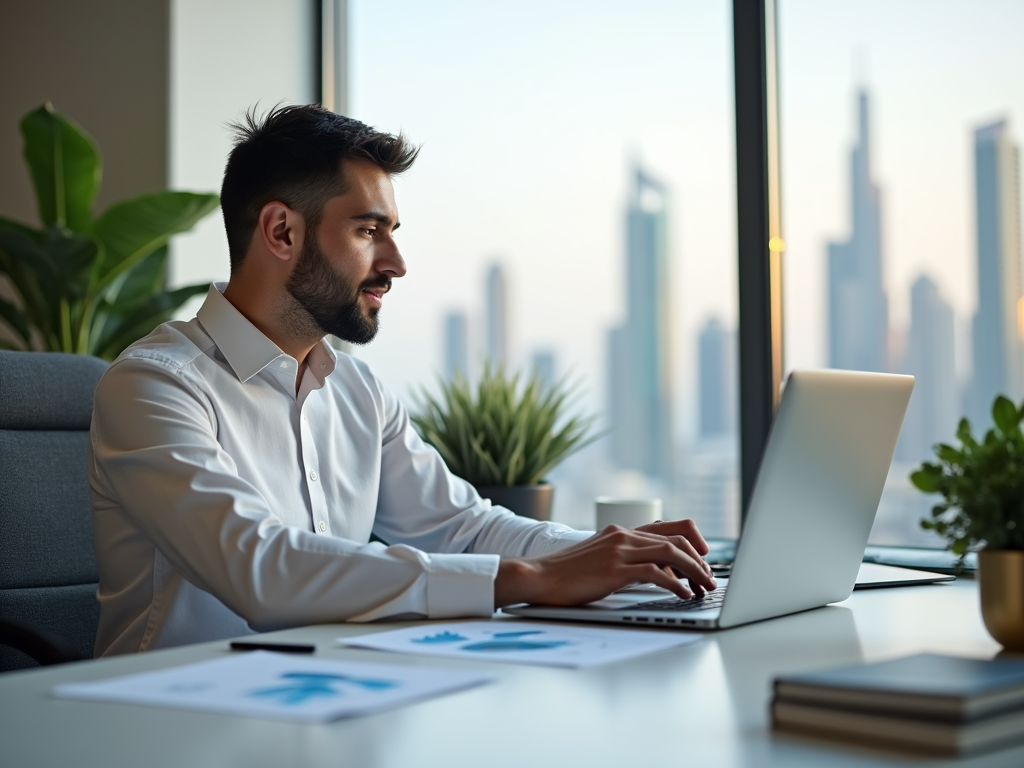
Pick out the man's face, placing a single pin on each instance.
(346, 267)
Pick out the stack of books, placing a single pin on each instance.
(925, 703)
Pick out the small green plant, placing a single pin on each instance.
(88, 285)
(505, 432)
(982, 485)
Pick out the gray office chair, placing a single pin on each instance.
(48, 609)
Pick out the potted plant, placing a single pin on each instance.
(504, 436)
(82, 284)
(982, 485)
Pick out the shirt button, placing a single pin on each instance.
(323, 526)
(323, 365)
(312, 476)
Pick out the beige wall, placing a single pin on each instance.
(104, 63)
(154, 81)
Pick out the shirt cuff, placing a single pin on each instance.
(461, 585)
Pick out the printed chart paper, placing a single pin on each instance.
(522, 642)
(277, 686)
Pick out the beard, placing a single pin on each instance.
(330, 301)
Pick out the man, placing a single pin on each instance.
(238, 465)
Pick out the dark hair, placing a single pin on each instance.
(294, 154)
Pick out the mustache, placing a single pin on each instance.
(377, 282)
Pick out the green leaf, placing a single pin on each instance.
(132, 230)
(72, 256)
(925, 481)
(1004, 414)
(948, 454)
(140, 282)
(35, 279)
(143, 319)
(22, 229)
(64, 163)
(963, 433)
(14, 317)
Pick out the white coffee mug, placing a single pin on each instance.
(629, 513)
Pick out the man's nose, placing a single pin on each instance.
(390, 261)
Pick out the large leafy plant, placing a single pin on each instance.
(505, 431)
(982, 485)
(83, 284)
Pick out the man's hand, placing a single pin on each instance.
(659, 553)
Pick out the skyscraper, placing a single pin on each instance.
(640, 382)
(858, 311)
(933, 411)
(456, 346)
(542, 363)
(996, 337)
(717, 372)
(497, 316)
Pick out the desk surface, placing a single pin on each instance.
(704, 704)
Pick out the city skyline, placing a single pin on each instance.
(996, 339)
(456, 345)
(858, 311)
(496, 322)
(640, 353)
(935, 405)
(716, 369)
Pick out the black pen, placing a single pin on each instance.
(242, 645)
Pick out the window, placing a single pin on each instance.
(573, 210)
(900, 125)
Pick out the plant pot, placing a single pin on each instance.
(527, 500)
(1001, 573)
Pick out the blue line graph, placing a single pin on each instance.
(301, 687)
(491, 646)
(440, 638)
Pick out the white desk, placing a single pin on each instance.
(705, 704)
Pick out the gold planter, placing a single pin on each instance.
(1001, 573)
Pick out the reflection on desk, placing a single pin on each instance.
(703, 704)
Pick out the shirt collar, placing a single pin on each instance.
(243, 345)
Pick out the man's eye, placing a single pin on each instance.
(369, 232)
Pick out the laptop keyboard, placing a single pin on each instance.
(703, 603)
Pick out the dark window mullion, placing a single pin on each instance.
(758, 222)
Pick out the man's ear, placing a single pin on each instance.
(281, 229)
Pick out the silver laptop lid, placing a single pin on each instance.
(817, 491)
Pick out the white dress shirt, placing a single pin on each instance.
(225, 503)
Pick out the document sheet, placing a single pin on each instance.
(277, 686)
(523, 642)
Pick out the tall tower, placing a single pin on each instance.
(858, 310)
(497, 316)
(542, 363)
(933, 410)
(997, 345)
(456, 346)
(717, 372)
(640, 383)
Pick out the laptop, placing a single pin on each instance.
(814, 501)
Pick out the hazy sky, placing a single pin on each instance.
(530, 111)
(935, 70)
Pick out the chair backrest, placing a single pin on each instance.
(47, 555)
